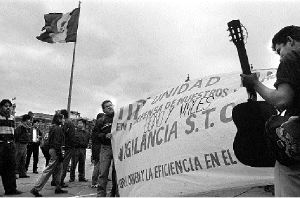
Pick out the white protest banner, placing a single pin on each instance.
(179, 143)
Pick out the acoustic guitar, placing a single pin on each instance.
(250, 144)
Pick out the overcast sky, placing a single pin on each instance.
(129, 49)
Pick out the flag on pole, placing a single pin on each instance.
(60, 27)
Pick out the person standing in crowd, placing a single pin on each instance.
(45, 143)
(7, 149)
(103, 129)
(81, 141)
(69, 131)
(30, 113)
(96, 145)
(33, 146)
(22, 138)
(285, 96)
(56, 143)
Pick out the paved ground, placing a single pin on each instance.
(82, 189)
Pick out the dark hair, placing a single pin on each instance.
(82, 120)
(56, 118)
(65, 113)
(100, 115)
(34, 121)
(281, 36)
(4, 101)
(25, 117)
(104, 102)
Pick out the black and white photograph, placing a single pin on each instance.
(150, 98)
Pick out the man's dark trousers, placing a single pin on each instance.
(32, 148)
(21, 151)
(7, 166)
(45, 151)
(78, 157)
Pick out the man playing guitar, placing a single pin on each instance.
(285, 96)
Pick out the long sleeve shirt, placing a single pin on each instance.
(69, 131)
(56, 137)
(7, 125)
(22, 134)
(81, 138)
(103, 127)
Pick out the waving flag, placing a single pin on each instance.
(60, 27)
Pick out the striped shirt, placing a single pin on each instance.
(6, 128)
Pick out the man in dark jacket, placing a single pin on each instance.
(22, 138)
(33, 146)
(54, 168)
(80, 142)
(69, 131)
(96, 145)
(7, 149)
(103, 128)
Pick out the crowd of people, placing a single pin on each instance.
(62, 143)
(68, 141)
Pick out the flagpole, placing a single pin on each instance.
(72, 70)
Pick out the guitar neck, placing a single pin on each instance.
(236, 33)
(243, 58)
(246, 68)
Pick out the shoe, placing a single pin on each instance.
(63, 185)
(94, 186)
(71, 180)
(15, 192)
(35, 192)
(53, 183)
(35, 172)
(83, 180)
(24, 176)
(60, 191)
